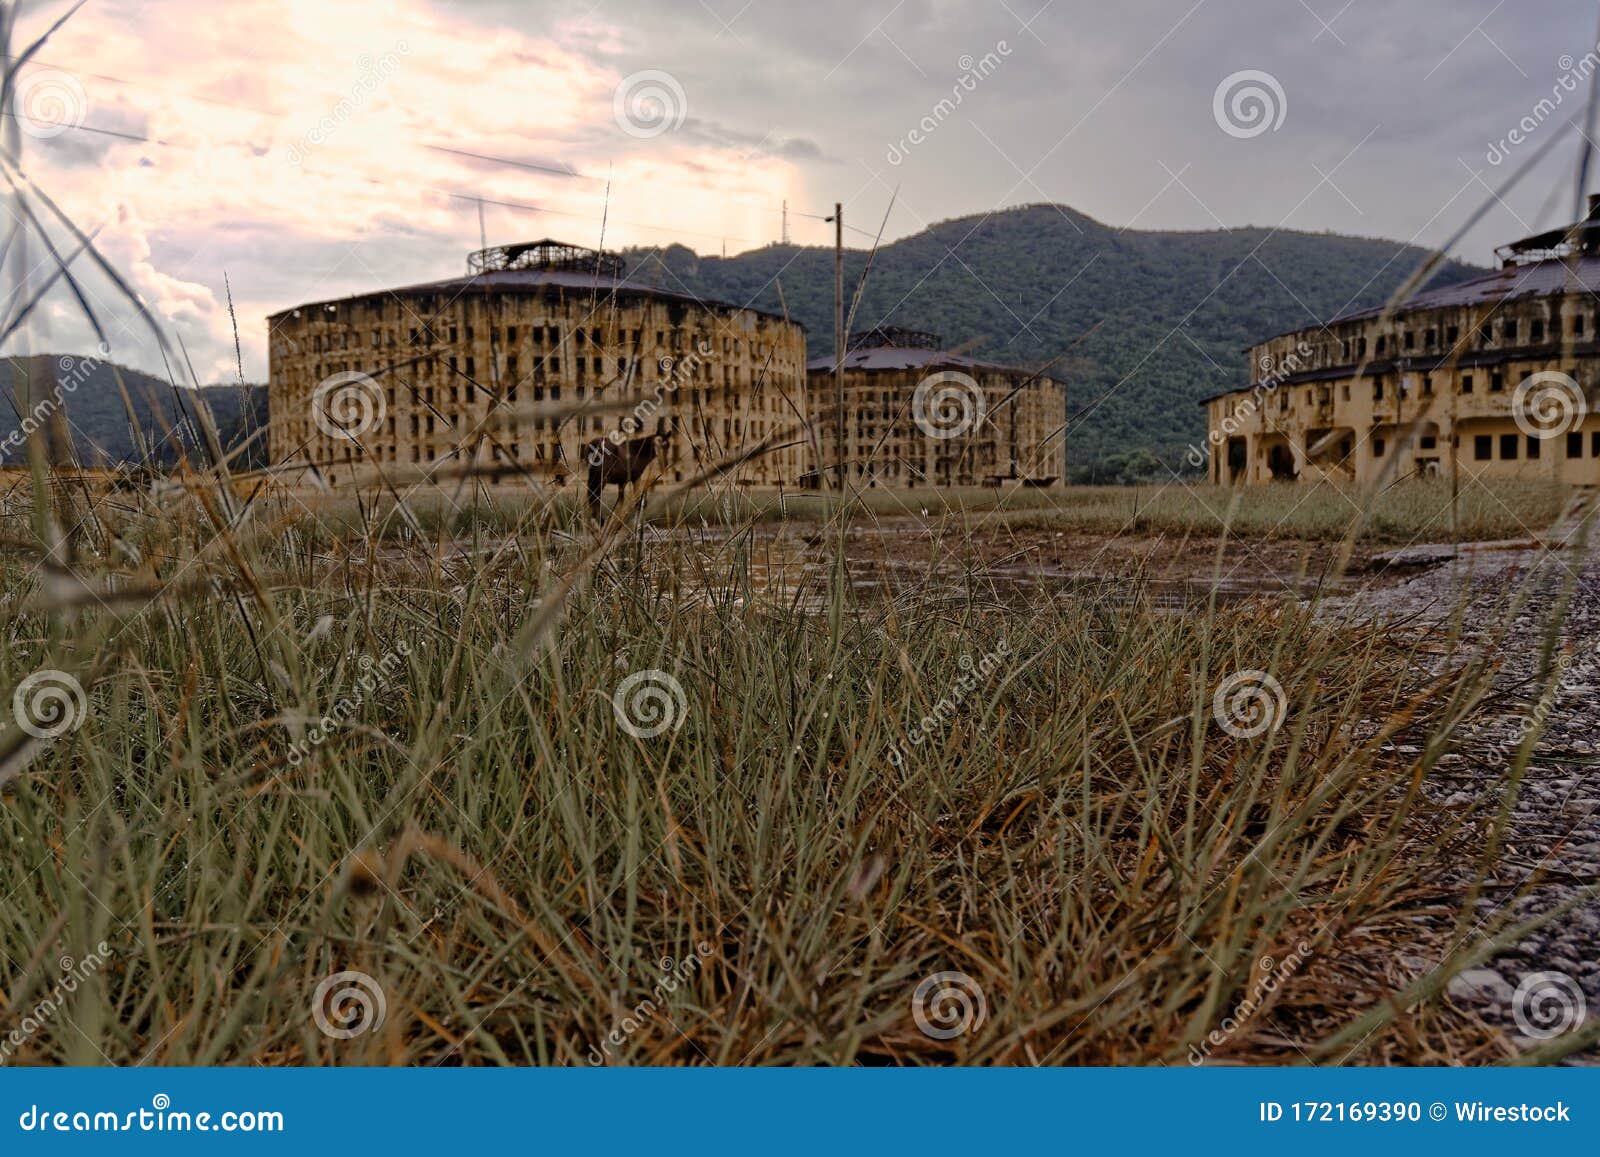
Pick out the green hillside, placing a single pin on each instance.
(102, 434)
(1175, 310)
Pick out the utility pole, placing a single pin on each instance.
(838, 339)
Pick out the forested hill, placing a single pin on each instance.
(1174, 310)
(102, 433)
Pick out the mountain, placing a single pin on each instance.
(102, 434)
(1170, 313)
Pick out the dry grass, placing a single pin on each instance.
(482, 837)
(1406, 512)
(314, 744)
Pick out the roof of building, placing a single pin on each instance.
(1535, 279)
(523, 272)
(882, 336)
(1538, 279)
(881, 358)
(1561, 260)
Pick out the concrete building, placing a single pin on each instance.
(1495, 376)
(449, 376)
(917, 415)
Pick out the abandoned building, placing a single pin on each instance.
(461, 375)
(1495, 376)
(917, 415)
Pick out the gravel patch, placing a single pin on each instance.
(1549, 982)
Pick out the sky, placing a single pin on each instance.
(288, 151)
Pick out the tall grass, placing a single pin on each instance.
(1412, 511)
(333, 740)
(481, 835)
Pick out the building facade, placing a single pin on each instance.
(916, 415)
(1495, 376)
(481, 374)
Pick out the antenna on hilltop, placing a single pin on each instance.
(786, 222)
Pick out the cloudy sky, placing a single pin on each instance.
(310, 148)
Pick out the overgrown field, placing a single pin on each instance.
(1405, 512)
(554, 811)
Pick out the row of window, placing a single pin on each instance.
(551, 367)
(1509, 445)
(1484, 445)
(1383, 389)
(1506, 331)
(1510, 332)
(545, 336)
(424, 452)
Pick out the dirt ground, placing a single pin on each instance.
(897, 551)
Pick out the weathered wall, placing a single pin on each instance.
(454, 372)
(1437, 393)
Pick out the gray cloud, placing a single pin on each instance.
(1097, 105)
(1392, 114)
